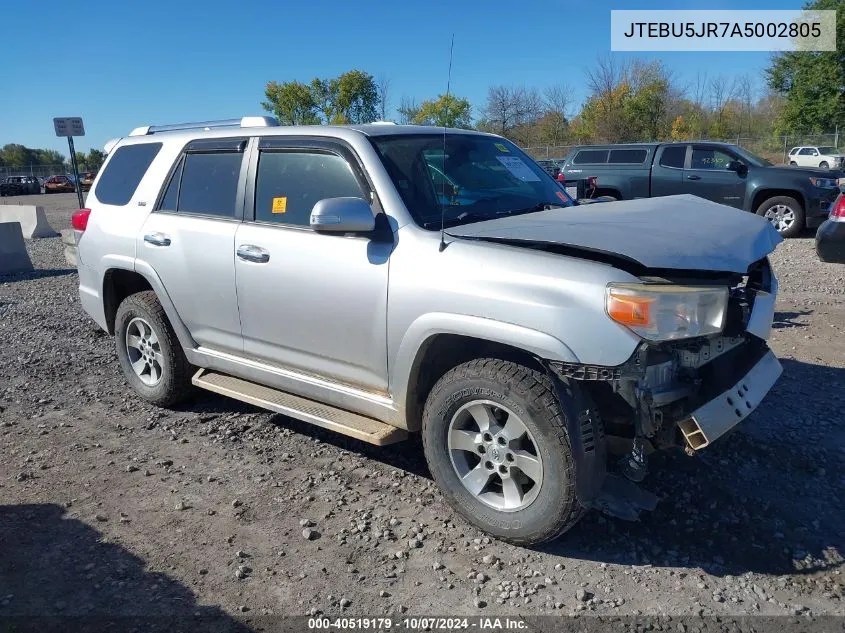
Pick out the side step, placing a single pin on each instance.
(317, 413)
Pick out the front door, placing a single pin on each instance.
(311, 302)
(708, 176)
(189, 240)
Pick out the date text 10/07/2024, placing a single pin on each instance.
(417, 624)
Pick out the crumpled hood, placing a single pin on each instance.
(682, 232)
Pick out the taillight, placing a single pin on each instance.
(592, 182)
(561, 177)
(79, 220)
(838, 210)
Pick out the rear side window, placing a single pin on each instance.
(124, 172)
(290, 183)
(674, 156)
(209, 184)
(590, 157)
(628, 156)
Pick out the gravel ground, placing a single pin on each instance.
(111, 506)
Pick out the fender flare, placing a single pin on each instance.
(426, 327)
(147, 272)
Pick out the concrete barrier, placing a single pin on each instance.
(13, 255)
(32, 219)
(69, 242)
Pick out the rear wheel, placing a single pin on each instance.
(495, 441)
(784, 213)
(793, 163)
(150, 355)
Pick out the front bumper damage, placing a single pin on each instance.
(685, 393)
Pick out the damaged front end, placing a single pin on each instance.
(688, 392)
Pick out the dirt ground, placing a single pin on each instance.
(111, 506)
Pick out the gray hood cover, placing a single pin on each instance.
(676, 232)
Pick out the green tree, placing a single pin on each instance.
(352, 97)
(445, 111)
(356, 98)
(291, 102)
(81, 160)
(16, 155)
(95, 159)
(812, 82)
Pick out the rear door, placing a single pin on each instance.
(667, 171)
(189, 239)
(707, 175)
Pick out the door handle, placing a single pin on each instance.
(693, 177)
(253, 253)
(157, 239)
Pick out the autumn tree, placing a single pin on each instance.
(445, 111)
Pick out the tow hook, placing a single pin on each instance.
(634, 465)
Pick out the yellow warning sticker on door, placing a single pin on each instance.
(280, 205)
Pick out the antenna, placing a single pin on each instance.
(443, 189)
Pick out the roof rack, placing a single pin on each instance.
(247, 121)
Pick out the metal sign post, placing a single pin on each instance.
(70, 127)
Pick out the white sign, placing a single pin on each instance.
(519, 169)
(69, 126)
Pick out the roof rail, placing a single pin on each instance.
(247, 121)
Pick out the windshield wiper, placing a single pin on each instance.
(466, 216)
(540, 206)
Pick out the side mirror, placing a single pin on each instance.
(738, 166)
(342, 215)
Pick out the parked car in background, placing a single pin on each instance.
(821, 157)
(86, 179)
(551, 166)
(830, 238)
(19, 185)
(511, 325)
(59, 184)
(791, 198)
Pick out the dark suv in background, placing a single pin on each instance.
(790, 198)
(19, 185)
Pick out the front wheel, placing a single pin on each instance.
(824, 165)
(792, 163)
(495, 441)
(150, 355)
(785, 214)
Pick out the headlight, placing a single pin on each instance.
(824, 183)
(666, 312)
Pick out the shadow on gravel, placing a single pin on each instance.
(761, 499)
(36, 274)
(787, 319)
(59, 574)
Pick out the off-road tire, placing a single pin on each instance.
(531, 395)
(175, 383)
(797, 226)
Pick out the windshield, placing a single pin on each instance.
(828, 150)
(752, 158)
(477, 178)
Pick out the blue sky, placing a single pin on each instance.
(124, 64)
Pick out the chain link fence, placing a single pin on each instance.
(773, 148)
(41, 171)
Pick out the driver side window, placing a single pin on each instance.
(709, 158)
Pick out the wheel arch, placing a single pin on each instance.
(761, 195)
(436, 343)
(120, 282)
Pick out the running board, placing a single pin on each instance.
(317, 413)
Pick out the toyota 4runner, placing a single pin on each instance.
(380, 280)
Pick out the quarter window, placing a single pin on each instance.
(290, 183)
(124, 172)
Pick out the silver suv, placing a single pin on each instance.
(380, 280)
